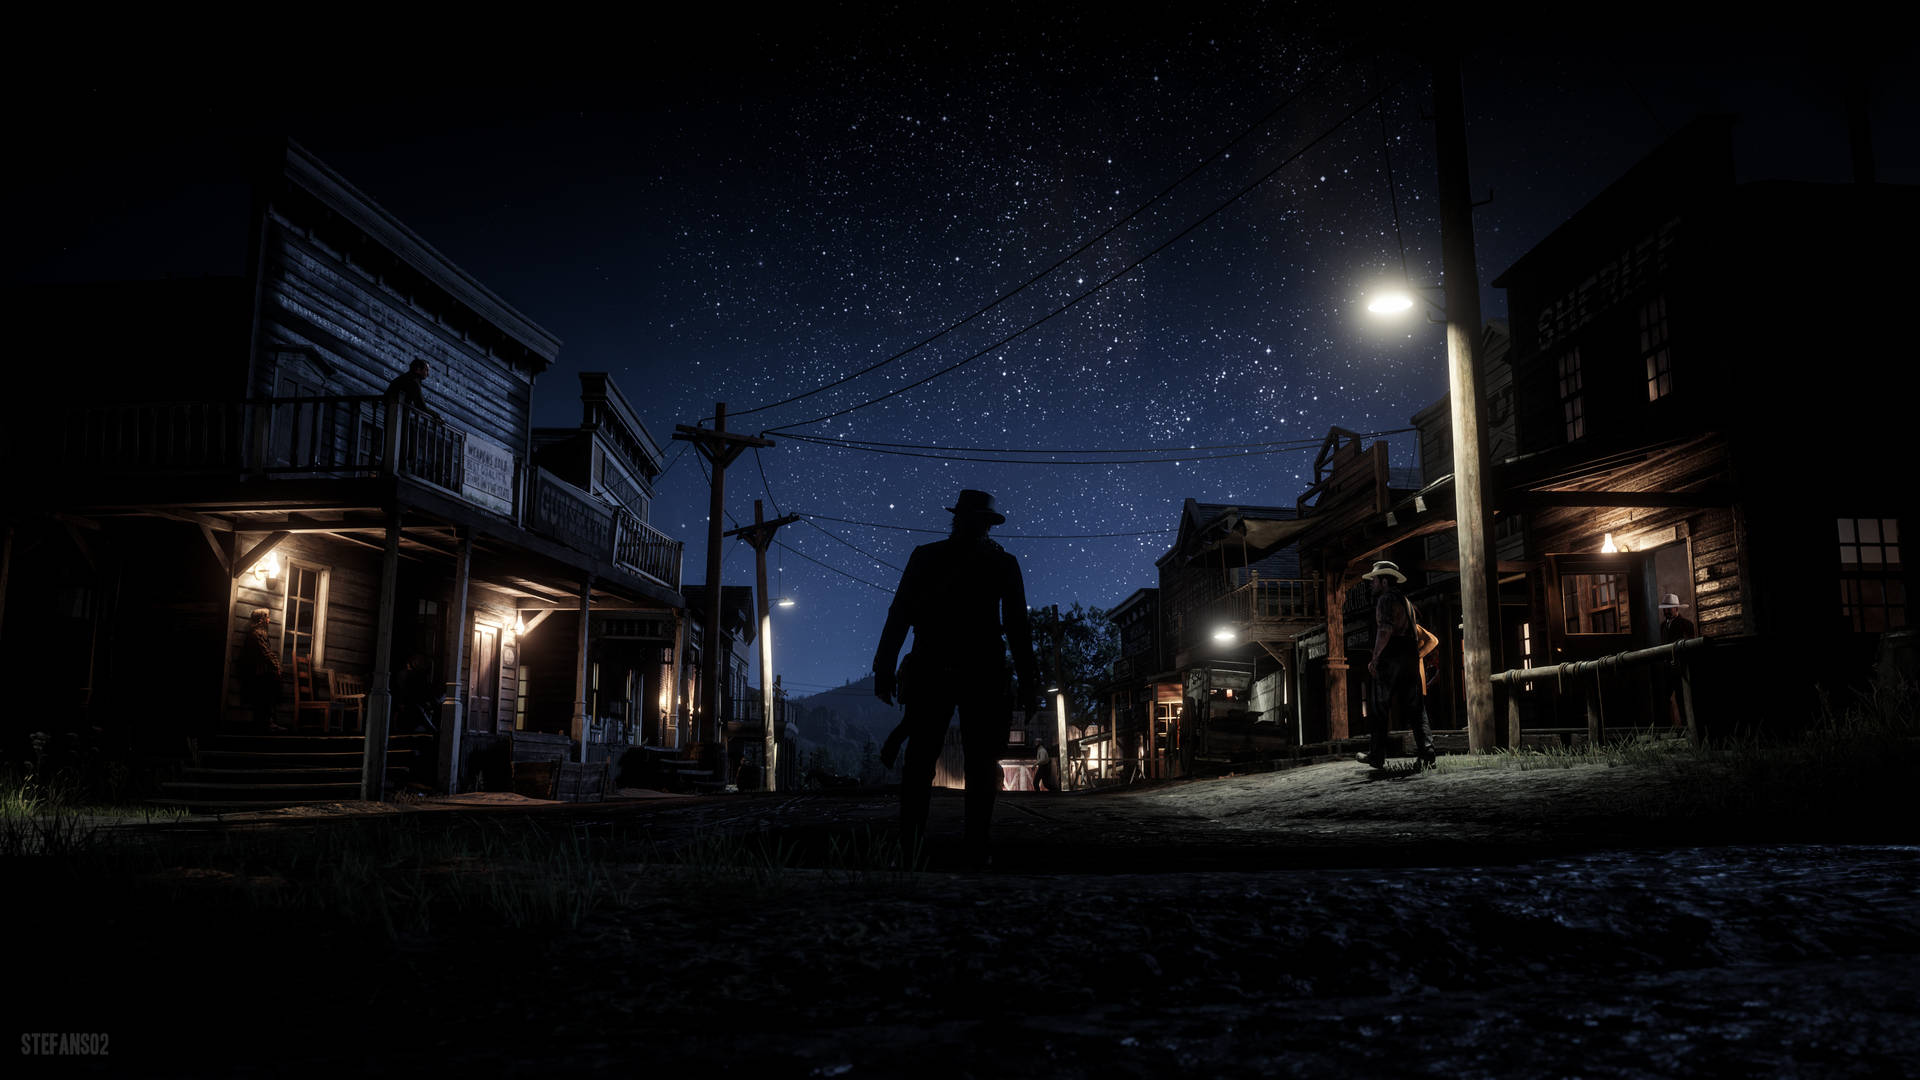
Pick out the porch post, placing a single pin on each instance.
(678, 708)
(6, 566)
(453, 706)
(231, 548)
(1336, 654)
(373, 757)
(581, 721)
(1595, 722)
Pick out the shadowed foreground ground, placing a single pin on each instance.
(1593, 921)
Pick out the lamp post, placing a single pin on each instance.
(760, 534)
(1461, 283)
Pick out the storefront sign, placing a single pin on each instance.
(488, 479)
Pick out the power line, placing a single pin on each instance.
(1004, 536)
(1078, 450)
(786, 429)
(768, 488)
(1311, 82)
(855, 547)
(835, 569)
(843, 445)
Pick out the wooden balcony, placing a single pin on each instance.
(1263, 609)
(339, 437)
(592, 526)
(646, 550)
(332, 437)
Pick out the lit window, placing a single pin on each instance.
(1572, 406)
(1653, 346)
(1873, 592)
(1526, 649)
(1596, 603)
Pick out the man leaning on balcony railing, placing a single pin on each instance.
(407, 389)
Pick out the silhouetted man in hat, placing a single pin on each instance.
(958, 596)
(1395, 667)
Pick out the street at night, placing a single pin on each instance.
(1637, 920)
(985, 541)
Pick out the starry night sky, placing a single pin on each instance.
(748, 211)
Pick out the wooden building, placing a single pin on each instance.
(1233, 602)
(194, 451)
(1682, 352)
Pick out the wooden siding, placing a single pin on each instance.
(353, 597)
(368, 333)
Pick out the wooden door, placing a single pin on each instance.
(483, 678)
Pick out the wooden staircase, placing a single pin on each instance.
(257, 772)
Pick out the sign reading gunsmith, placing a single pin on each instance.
(488, 479)
(577, 520)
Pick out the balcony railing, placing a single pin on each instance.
(1262, 604)
(640, 547)
(336, 437)
(586, 524)
(320, 436)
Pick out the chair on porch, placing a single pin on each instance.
(348, 698)
(310, 696)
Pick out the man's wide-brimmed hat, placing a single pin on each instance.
(979, 504)
(1671, 600)
(1383, 568)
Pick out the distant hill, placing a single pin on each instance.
(841, 723)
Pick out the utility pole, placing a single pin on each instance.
(760, 535)
(720, 447)
(1060, 692)
(1479, 606)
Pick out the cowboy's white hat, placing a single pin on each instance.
(1671, 600)
(1383, 568)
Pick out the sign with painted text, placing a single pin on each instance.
(488, 479)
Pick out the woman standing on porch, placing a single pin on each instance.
(260, 672)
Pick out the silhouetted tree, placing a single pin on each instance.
(1087, 646)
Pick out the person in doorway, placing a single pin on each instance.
(259, 672)
(960, 597)
(1398, 697)
(1674, 627)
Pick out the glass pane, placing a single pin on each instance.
(1849, 555)
(1869, 530)
(1870, 554)
(1890, 529)
(1595, 604)
(1846, 530)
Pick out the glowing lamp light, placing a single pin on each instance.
(1390, 303)
(1224, 634)
(785, 601)
(519, 625)
(267, 568)
(1606, 546)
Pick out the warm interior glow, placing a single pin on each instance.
(1389, 303)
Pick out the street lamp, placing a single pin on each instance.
(1461, 284)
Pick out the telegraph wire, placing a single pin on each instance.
(851, 544)
(844, 445)
(784, 547)
(786, 429)
(1004, 536)
(835, 569)
(1283, 443)
(1311, 82)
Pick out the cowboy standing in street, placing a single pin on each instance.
(958, 596)
(1398, 697)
